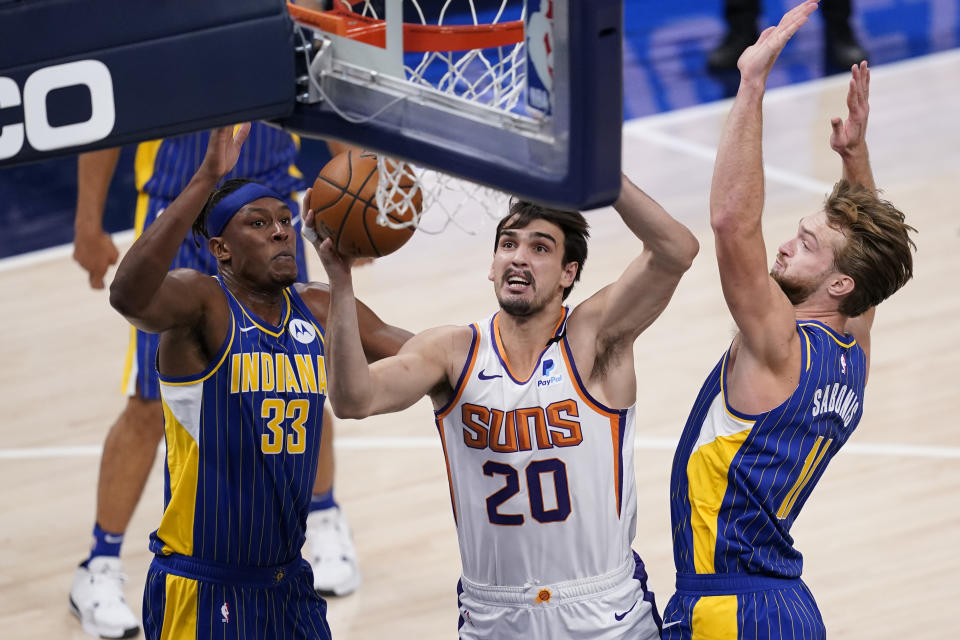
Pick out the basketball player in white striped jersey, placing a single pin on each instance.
(535, 409)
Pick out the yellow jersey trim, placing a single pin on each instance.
(845, 345)
(226, 352)
(283, 321)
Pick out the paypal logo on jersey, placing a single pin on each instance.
(545, 371)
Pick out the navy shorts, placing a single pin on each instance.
(742, 607)
(191, 599)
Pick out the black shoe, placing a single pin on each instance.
(725, 56)
(843, 50)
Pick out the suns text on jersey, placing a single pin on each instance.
(556, 425)
(260, 371)
(836, 398)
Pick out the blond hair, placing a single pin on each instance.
(877, 252)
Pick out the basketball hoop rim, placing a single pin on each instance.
(417, 38)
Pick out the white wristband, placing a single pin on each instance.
(309, 233)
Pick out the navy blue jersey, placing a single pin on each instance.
(242, 441)
(739, 481)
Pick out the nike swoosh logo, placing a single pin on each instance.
(671, 624)
(112, 539)
(621, 616)
(484, 376)
(250, 328)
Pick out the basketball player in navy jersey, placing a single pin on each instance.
(535, 407)
(243, 387)
(788, 392)
(162, 169)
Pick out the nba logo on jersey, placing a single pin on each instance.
(302, 332)
(843, 364)
(539, 35)
(225, 613)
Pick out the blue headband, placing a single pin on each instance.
(224, 210)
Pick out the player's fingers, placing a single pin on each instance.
(796, 17)
(96, 280)
(837, 125)
(328, 255)
(305, 205)
(241, 133)
(308, 232)
(765, 34)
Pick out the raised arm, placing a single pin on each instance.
(761, 310)
(625, 308)
(358, 389)
(93, 248)
(849, 139)
(150, 296)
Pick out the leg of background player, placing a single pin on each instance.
(128, 454)
(332, 554)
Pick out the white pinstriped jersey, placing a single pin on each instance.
(541, 474)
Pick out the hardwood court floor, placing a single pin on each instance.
(879, 534)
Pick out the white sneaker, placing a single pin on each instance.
(332, 554)
(97, 599)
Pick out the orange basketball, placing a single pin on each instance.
(345, 204)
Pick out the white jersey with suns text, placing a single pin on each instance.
(541, 474)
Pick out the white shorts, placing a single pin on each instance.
(608, 607)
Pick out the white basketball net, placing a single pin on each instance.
(494, 77)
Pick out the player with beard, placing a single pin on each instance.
(789, 391)
(535, 407)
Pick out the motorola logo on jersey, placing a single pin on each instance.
(39, 90)
(302, 331)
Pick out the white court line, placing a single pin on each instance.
(388, 444)
(54, 253)
(709, 154)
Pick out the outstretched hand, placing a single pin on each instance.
(757, 60)
(850, 134)
(223, 149)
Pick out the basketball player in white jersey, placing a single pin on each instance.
(535, 408)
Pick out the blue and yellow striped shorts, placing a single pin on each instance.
(741, 607)
(188, 599)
